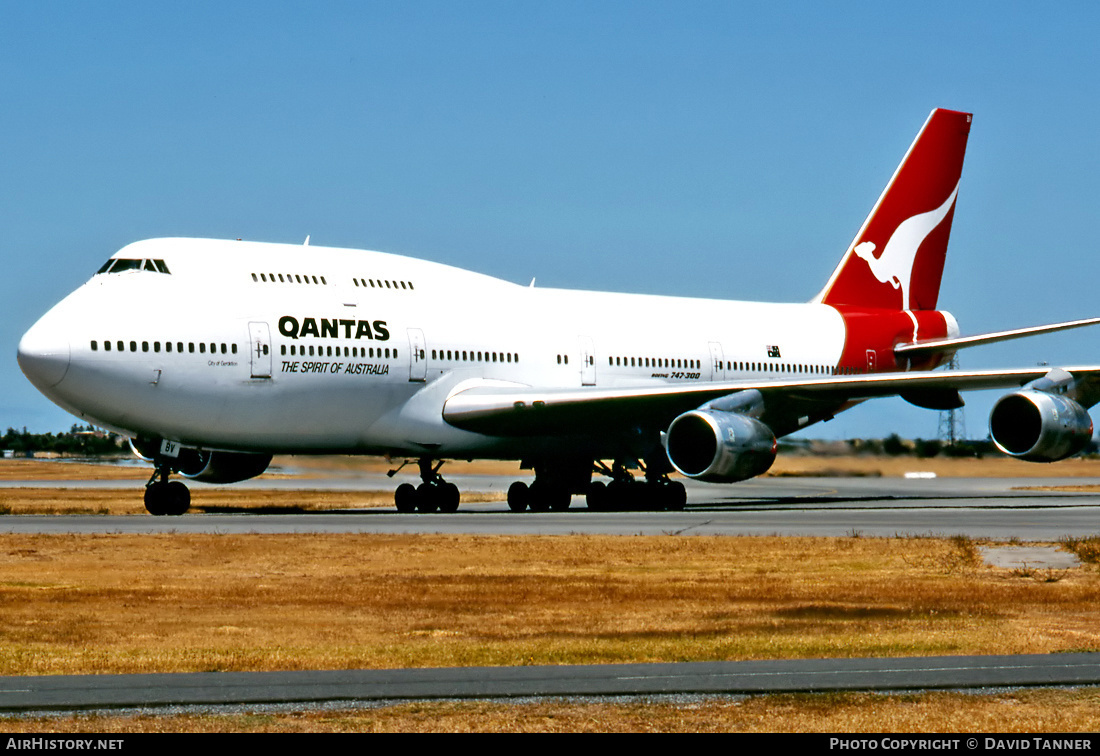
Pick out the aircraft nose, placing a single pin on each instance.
(44, 356)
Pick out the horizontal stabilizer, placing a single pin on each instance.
(920, 348)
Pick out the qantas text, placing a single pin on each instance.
(290, 327)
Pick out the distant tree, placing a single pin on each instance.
(80, 440)
(894, 446)
(927, 449)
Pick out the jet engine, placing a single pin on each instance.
(1039, 426)
(207, 466)
(718, 446)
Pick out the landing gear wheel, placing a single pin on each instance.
(545, 495)
(596, 496)
(538, 500)
(167, 498)
(448, 497)
(427, 498)
(179, 498)
(560, 498)
(518, 496)
(155, 499)
(621, 495)
(405, 498)
(675, 496)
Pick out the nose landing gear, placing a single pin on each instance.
(166, 497)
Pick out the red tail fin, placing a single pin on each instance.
(896, 260)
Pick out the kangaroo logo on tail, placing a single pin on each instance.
(895, 265)
(910, 239)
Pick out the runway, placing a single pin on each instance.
(988, 508)
(77, 692)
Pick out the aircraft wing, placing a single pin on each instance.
(520, 410)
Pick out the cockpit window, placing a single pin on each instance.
(118, 265)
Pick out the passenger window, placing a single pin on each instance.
(95, 346)
(202, 347)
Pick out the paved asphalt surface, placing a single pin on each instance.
(713, 678)
(985, 508)
(992, 508)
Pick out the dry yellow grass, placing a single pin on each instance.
(993, 466)
(123, 603)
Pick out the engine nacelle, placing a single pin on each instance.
(204, 465)
(1039, 426)
(719, 447)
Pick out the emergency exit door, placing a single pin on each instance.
(259, 335)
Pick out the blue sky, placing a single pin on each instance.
(718, 149)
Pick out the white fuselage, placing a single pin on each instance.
(279, 348)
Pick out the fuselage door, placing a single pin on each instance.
(717, 362)
(588, 362)
(260, 336)
(418, 363)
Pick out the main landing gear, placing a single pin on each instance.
(166, 497)
(624, 493)
(540, 496)
(554, 486)
(433, 495)
(553, 489)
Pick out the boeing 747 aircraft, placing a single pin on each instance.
(213, 355)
